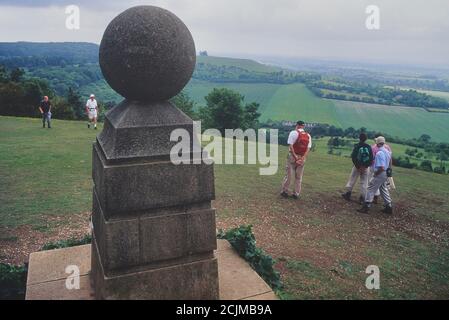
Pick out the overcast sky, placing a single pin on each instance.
(411, 31)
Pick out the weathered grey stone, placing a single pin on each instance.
(47, 260)
(124, 189)
(48, 268)
(178, 235)
(201, 231)
(196, 280)
(57, 290)
(236, 280)
(153, 226)
(134, 130)
(147, 54)
(118, 240)
(151, 241)
(164, 237)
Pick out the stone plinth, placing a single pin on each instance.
(153, 224)
(47, 277)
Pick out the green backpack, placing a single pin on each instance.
(363, 157)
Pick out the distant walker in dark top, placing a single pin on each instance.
(362, 157)
(45, 109)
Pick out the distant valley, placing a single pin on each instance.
(402, 104)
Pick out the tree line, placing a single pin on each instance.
(377, 94)
(224, 73)
(224, 109)
(21, 96)
(343, 138)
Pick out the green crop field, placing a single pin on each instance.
(403, 122)
(247, 64)
(259, 92)
(322, 246)
(295, 101)
(435, 93)
(440, 94)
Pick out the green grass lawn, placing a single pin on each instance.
(260, 92)
(43, 171)
(321, 244)
(403, 122)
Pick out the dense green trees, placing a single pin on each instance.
(360, 92)
(226, 73)
(74, 100)
(225, 110)
(29, 54)
(21, 96)
(183, 102)
(251, 115)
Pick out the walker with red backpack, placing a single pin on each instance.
(301, 144)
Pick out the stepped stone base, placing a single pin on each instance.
(47, 277)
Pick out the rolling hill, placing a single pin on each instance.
(295, 101)
(280, 92)
(246, 64)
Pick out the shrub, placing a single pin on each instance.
(61, 109)
(440, 170)
(426, 165)
(13, 281)
(13, 278)
(404, 162)
(244, 242)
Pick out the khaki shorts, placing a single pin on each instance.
(92, 114)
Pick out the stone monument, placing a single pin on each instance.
(153, 225)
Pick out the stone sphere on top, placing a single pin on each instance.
(147, 54)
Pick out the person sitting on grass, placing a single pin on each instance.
(299, 142)
(362, 157)
(382, 170)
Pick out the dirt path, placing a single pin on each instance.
(17, 243)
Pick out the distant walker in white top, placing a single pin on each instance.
(92, 111)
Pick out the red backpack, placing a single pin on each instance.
(302, 143)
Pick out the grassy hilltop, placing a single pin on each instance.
(321, 244)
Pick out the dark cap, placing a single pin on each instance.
(300, 123)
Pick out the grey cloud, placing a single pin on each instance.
(414, 28)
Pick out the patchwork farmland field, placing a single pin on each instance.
(435, 93)
(295, 101)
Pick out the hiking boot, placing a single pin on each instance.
(361, 199)
(364, 209)
(347, 196)
(95, 127)
(388, 210)
(284, 194)
(295, 196)
(375, 199)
